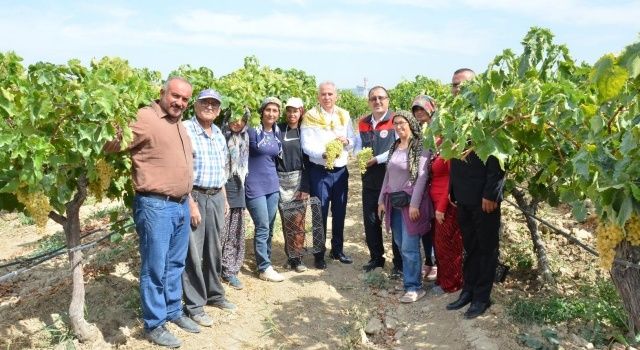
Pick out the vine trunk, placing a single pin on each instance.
(84, 331)
(627, 281)
(536, 238)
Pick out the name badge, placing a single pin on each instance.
(384, 134)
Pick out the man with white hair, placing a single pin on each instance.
(320, 125)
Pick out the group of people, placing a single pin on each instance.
(194, 180)
(450, 206)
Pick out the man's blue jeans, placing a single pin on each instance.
(263, 213)
(410, 249)
(163, 230)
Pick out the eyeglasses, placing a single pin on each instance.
(375, 98)
(400, 123)
(209, 103)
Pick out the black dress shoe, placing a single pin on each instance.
(372, 264)
(320, 264)
(463, 299)
(476, 309)
(342, 258)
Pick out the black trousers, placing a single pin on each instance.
(427, 243)
(373, 228)
(481, 241)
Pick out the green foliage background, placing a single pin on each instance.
(569, 131)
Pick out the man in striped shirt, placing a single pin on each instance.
(201, 280)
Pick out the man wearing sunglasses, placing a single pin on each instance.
(376, 131)
(475, 187)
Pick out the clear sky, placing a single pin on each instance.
(385, 41)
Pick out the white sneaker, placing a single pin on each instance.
(412, 296)
(271, 275)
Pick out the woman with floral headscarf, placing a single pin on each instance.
(262, 185)
(232, 240)
(447, 238)
(423, 108)
(403, 201)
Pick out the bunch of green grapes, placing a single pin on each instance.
(37, 205)
(104, 174)
(363, 158)
(333, 150)
(608, 236)
(633, 230)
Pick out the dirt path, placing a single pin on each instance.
(311, 310)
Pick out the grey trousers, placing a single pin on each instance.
(201, 279)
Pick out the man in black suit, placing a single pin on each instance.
(476, 189)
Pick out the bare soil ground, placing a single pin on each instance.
(311, 310)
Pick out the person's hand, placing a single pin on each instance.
(439, 217)
(381, 211)
(371, 162)
(226, 207)
(301, 196)
(343, 139)
(414, 213)
(196, 218)
(488, 206)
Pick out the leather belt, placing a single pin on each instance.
(164, 197)
(207, 191)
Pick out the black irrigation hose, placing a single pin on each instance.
(57, 252)
(27, 268)
(29, 259)
(570, 237)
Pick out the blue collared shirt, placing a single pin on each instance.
(210, 155)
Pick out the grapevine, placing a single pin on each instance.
(333, 150)
(363, 158)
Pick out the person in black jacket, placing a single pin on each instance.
(294, 183)
(377, 132)
(476, 189)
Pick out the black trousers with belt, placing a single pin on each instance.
(481, 242)
(373, 228)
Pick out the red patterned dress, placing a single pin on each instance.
(447, 236)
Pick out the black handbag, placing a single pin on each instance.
(399, 199)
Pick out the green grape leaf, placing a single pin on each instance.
(629, 142)
(580, 164)
(626, 208)
(579, 210)
(635, 190)
(630, 59)
(608, 77)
